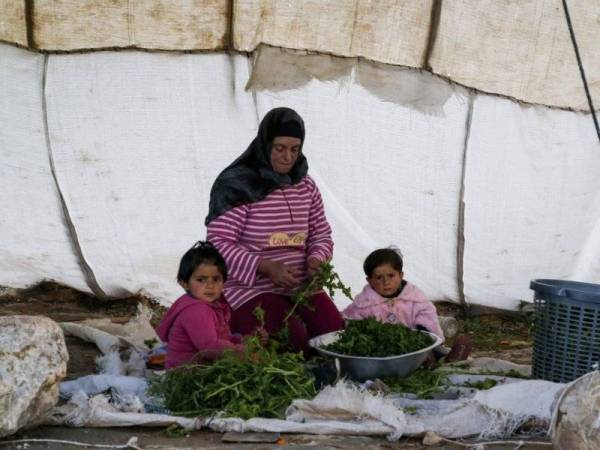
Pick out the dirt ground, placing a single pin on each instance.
(500, 336)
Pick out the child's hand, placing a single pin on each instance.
(263, 336)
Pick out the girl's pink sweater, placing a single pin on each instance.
(193, 327)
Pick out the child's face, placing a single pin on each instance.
(206, 283)
(385, 280)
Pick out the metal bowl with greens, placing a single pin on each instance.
(369, 349)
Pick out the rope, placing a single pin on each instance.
(585, 85)
(131, 443)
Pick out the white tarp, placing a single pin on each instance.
(532, 200)
(520, 49)
(138, 138)
(389, 175)
(34, 241)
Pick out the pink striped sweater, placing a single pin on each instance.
(288, 225)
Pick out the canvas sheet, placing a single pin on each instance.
(138, 139)
(35, 243)
(392, 31)
(162, 24)
(532, 200)
(389, 175)
(520, 49)
(12, 22)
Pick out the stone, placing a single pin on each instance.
(33, 360)
(431, 439)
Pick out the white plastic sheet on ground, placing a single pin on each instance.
(345, 409)
(34, 241)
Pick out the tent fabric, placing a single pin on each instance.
(137, 139)
(532, 200)
(395, 31)
(12, 22)
(520, 49)
(35, 243)
(159, 24)
(517, 49)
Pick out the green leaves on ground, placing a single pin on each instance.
(369, 337)
(262, 384)
(423, 383)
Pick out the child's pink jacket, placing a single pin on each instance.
(410, 308)
(191, 326)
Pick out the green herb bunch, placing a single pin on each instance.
(261, 384)
(369, 337)
(325, 278)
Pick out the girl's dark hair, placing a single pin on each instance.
(201, 252)
(391, 256)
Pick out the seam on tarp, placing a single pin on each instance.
(90, 277)
(434, 24)
(230, 41)
(351, 46)
(251, 60)
(460, 250)
(29, 5)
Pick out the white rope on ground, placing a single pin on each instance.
(131, 443)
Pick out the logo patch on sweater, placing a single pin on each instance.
(281, 239)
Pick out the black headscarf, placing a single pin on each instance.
(250, 177)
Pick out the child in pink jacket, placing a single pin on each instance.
(389, 298)
(196, 326)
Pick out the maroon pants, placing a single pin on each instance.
(306, 323)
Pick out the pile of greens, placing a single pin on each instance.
(262, 384)
(423, 383)
(369, 337)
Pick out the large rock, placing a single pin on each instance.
(33, 360)
(576, 422)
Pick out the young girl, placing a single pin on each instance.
(196, 326)
(389, 298)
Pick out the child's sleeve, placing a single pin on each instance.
(200, 328)
(426, 316)
(319, 243)
(224, 233)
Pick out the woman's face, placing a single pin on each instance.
(284, 153)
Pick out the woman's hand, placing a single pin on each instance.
(312, 266)
(280, 273)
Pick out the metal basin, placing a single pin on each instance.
(361, 368)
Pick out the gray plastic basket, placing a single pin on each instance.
(566, 340)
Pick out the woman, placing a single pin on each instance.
(266, 217)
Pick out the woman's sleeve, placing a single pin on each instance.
(318, 243)
(224, 233)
